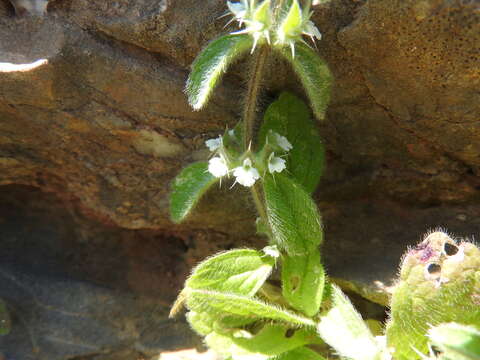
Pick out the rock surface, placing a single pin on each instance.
(103, 126)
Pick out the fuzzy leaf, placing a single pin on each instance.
(204, 323)
(421, 300)
(456, 341)
(303, 280)
(222, 304)
(240, 272)
(187, 189)
(210, 65)
(271, 340)
(342, 328)
(290, 117)
(314, 75)
(292, 215)
(301, 353)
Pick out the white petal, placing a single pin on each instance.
(283, 142)
(276, 164)
(214, 144)
(217, 166)
(246, 175)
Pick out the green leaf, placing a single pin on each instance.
(303, 280)
(456, 341)
(301, 353)
(187, 189)
(5, 321)
(222, 304)
(204, 323)
(210, 65)
(271, 340)
(292, 215)
(290, 117)
(314, 75)
(342, 328)
(240, 272)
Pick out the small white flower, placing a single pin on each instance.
(256, 17)
(246, 174)
(295, 24)
(275, 164)
(231, 132)
(217, 166)
(283, 142)
(214, 144)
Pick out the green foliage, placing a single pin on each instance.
(5, 321)
(424, 298)
(342, 327)
(268, 342)
(303, 280)
(290, 117)
(188, 187)
(241, 271)
(210, 65)
(302, 353)
(219, 303)
(456, 342)
(314, 75)
(292, 215)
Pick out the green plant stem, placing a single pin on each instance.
(253, 90)
(249, 116)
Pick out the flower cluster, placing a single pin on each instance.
(257, 17)
(246, 167)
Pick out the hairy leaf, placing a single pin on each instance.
(217, 303)
(314, 75)
(342, 328)
(456, 341)
(303, 280)
(210, 65)
(292, 215)
(270, 341)
(290, 117)
(240, 272)
(187, 189)
(301, 353)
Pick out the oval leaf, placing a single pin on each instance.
(456, 341)
(271, 340)
(292, 215)
(290, 117)
(219, 304)
(342, 328)
(314, 75)
(210, 65)
(302, 353)
(187, 189)
(303, 280)
(240, 272)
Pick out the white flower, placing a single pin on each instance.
(217, 166)
(283, 142)
(246, 174)
(214, 144)
(275, 164)
(256, 17)
(295, 24)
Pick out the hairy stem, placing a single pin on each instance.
(253, 90)
(249, 117)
